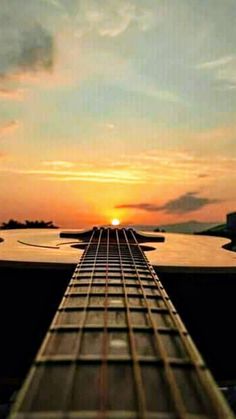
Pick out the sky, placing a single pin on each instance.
(117, 109)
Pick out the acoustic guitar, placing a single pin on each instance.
(117, 348)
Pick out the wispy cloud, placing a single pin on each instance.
(109, 126)
(8, 127)
(111, 19)
(60, 164)
(175, 166)
(138, 85)
(221, 133)
(12, 94)
(219, 62)
(100, 176)
(154, 167)
(186, 203)
(227, 75)
(224, 71)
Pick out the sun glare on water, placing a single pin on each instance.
(115, 222)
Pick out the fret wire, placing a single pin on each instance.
(111, 308)
(136, 367)
(179, 404)
(111, 294)
(112, 285)
(162, 330)
(93, 414)
(150, 360)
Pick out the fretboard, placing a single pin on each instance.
(116, 348)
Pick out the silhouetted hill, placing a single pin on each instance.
(188, 227)
(219, 230)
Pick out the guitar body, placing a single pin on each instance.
(197, 272)
(167, 251)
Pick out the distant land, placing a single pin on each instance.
(188, 227)
(14, 224)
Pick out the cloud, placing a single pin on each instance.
(83, 175)
(219, 133)
(110, 126)
(12, 94)
(203, 175)
(224, 71)
(227, 75)
(142, 206)
(137, 84)
(222, 61)
(25, 44)
(60, 164)
(36, 49)
(8, 127)
(112, 18)
(153, 168)
(188, 202)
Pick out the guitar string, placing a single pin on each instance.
(104, 366)
(136, 367)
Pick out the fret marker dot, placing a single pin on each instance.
(115, 302)
(118, 343)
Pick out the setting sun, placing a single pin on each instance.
(115, 222)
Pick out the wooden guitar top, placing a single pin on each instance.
(177, 251)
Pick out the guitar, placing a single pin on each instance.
(116, 347)
(167, 251)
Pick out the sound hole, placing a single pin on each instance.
(144, 247)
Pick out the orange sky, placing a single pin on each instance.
(116, 109)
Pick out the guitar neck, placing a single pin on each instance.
(117, 348)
